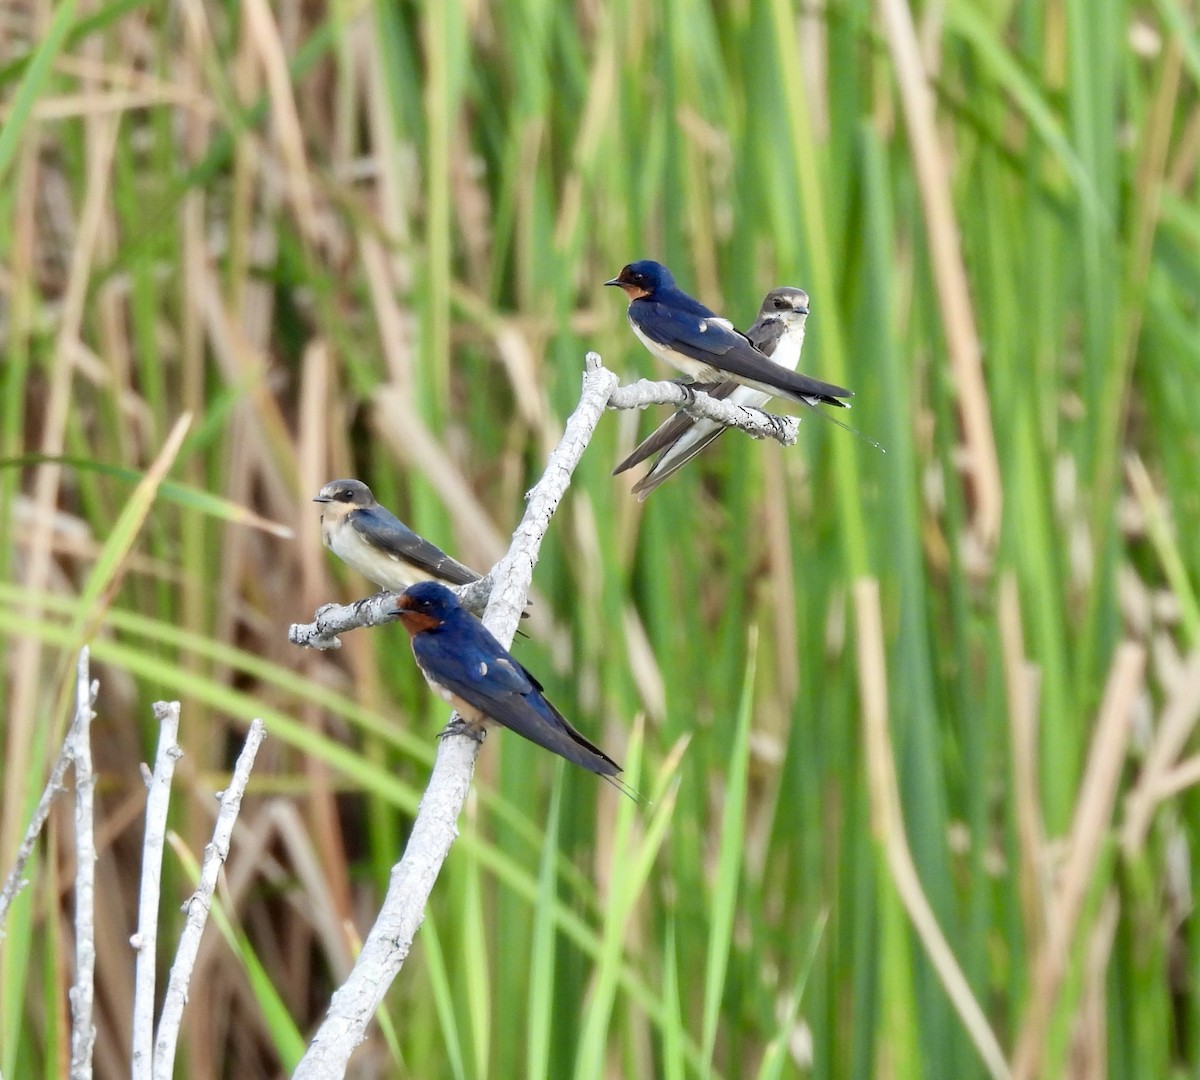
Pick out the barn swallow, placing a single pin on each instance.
(682, 331)
(465, 665)
(778, 333)
(372, 540)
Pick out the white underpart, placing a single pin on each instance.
(384, 569)
(467, 712)
(693, 369)
(441, 691)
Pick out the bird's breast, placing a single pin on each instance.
(473, 716)
(382, 567)
(787, 349)
(691, 367)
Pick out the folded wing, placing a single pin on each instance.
(396, 538)
(714, 342)
(477, 670)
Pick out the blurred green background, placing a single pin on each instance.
(369, 240)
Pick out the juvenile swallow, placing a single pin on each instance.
(680, 330)
(465, 665)
(372, 540)
(778, 333)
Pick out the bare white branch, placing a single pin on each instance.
(15, 881)
(198, 906)
(334, 619)
(157, 804)
(79, 746)
(696, 403)
(435, 828)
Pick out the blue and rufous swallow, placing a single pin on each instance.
(469, 668)
(778, 333)
(372, 540)
(680, 330)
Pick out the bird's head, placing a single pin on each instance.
(352, 494)
(643, 278)
(425, 606)
(786, 303)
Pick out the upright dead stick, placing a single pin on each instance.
(79, 746)
(144, 941)
(388, 943)
(15, 881)
(198, 906)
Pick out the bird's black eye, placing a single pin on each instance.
(344, 495)
(780, 303)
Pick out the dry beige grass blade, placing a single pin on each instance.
(28, 677)
(1088, 1058)
(1183, 776)
(518, 345)
(312, 452)
(262, 30)
(1178, 721)
(394, 193)
(73, 106)
(643, 666)
(399, 425)
(949, 271)
(1145, 206)
(271, 446)
(126, 530)
(1093, 814)
(888, 824)
(312, 464)
(395, 324)
(1023, 684)
(778, 512)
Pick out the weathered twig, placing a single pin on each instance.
(76, 749)
(15, 882)
(334, 619)
(435, 828)
(198, 906)
(79, 746)
(696, 403)
(144, 941)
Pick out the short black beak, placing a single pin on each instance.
(322, 498)
(615, 281)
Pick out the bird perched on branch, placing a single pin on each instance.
(470, 669)
(376, 543)
(679, 329)
(778, 333)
